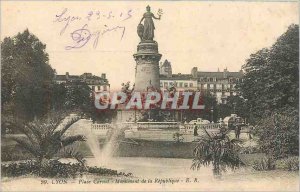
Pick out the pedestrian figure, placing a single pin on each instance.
(250, 131)
(237, 130)
(195, 130)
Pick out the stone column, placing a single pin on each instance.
(147, 66)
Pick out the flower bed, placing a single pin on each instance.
(55, 169)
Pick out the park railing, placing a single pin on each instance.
(157, 125)
(203, 126)
(99, 127)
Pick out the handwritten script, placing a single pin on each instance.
(106, 22)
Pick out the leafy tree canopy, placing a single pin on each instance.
(26, 75)
(272, 75)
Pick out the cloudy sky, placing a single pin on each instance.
(208, 35)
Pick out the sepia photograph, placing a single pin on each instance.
(149, 95)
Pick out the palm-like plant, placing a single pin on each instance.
(46, 138)
(217, 150)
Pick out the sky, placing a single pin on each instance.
(207, 35)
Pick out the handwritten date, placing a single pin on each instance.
(65, 17)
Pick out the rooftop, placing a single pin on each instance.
(177, 77)
(86, 77)
(200, 74)
(166, 63)
(220, 74)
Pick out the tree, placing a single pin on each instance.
(78, 96)
(208, 113)
(271, 88)
(271, 76)
(283, 84)
(235, 104)
(218, 150)
(278, 133)
(58, 96)
(26, 76)
(46, 138)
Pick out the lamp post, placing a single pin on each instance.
(234, 105)
(212, 113)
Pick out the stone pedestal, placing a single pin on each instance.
(147, 66)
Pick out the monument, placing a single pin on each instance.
(147, 64)
(147, 57)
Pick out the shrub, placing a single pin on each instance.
(14, 154)
(18, 169)
(55, 169)
(217, 150)
(279, 134)
(105, 171)
(62, 170)
(264, 164)
(102, 171)
(290, 163)
(249, 150)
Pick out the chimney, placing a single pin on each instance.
(225, 73)
(103, 75)
(67, 75)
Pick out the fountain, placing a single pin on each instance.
(91, 140)
(111, 144)
(102, 156)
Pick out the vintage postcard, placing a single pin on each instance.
(149, 96)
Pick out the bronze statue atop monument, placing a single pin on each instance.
(147, 56)
(146, 31)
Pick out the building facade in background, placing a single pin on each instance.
(96, 83)
(220, 84)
